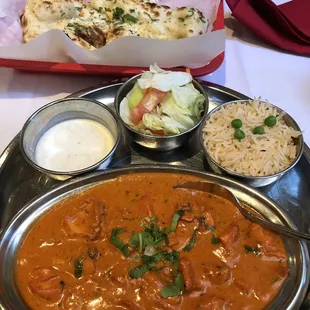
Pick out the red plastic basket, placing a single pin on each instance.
(74, 68)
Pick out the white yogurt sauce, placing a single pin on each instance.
(73, 145)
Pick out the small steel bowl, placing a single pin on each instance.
(254, 181)
(61, 110)
(158, 143)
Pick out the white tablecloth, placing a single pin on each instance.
(250, 67)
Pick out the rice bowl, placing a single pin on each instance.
(262, 153)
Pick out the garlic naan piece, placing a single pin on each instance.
(96, 23)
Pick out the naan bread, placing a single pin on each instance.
(99, 22)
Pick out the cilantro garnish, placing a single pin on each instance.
(175, 289)
(249, 249)
(191, 242)
(214, 239)
(151, 18)
(116, 241)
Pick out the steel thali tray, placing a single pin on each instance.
(20, 183)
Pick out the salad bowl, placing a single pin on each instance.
(158, 142)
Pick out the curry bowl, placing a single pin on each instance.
(70, 136)
(251, 138)
(76, 194)
(158, 142)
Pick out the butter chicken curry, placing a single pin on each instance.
(136, 243)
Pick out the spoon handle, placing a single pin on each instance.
(275, 227)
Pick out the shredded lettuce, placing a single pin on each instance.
(163, 122)
(188, 97)
(163, 80)
(124, 112)
(182, 116)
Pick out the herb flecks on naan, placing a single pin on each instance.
(95, 24)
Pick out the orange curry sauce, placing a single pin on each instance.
(69, 260)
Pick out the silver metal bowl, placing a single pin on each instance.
(158, 143)
(290, 296)
(61, 110)
(255, 181)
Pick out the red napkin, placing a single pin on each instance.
(286, 26)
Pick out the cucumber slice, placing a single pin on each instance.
(135, 96)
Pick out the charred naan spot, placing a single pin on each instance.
(93, 35)
(156, 14)
(200, 32)
(200, 14)
(117, 30)
(24, 22)
(168, 13)
(152, 5)
(190, 30)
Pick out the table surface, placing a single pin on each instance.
(250, 67)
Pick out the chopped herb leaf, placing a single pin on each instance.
(138, 272)
(132, 10)
(202, 19)
(179, 281)
(62, 284)
(109, 10)
(151, 18)
(130, 19)
(191, 242)
(78, 268)
(171, 257)
(62, 14)
(215, 240)
(134, 240)
(211, 227)
(191, 13)
(181, 19)
(249, 249)
(170, 291)
(78, 27)
(117, 13)
(174, 289)
(78, 8)
(175, 220)
(116, 241)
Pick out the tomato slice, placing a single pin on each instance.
(151, 99)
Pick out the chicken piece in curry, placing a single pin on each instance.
(136, 243)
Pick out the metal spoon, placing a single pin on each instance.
(222, 191)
